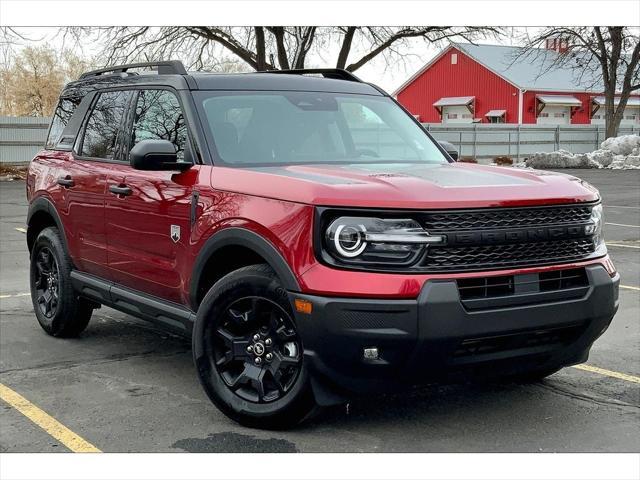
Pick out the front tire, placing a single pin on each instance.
(59, 310)
(247, 351)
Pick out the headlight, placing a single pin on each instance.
(596, 226)
(367, 240)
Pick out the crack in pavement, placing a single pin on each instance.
(584, 396)
(98, 361)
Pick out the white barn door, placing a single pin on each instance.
(554, 115)
(456, 114)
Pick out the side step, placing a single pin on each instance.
(172, 316)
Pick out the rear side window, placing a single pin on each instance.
(159, 117)
(64, 111)
(103, 125)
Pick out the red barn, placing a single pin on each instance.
(468, 83)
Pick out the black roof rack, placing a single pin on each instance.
(336, 73)
(168, 67)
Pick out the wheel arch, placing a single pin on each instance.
(43, 214)
(236, 239)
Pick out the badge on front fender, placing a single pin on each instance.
(175, 233)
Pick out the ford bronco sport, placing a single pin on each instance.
(310, 237)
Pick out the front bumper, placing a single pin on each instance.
(438, 336)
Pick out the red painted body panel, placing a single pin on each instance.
(466, 78)
(323, 280)
(127, 240)
(455, 185)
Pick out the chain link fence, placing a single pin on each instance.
(484, 142)
(22, 137)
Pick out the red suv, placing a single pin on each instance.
(309, 235)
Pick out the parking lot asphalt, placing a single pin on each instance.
(126, 386)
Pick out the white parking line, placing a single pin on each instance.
(622, 225)
(12, 295)
(621, 245)
(22, 230)
(621, 206)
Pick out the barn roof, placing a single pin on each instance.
(529, 70)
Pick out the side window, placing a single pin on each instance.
(104, 122)
(62, 115)
(159, 117)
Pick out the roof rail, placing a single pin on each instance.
(337, 73)
(168, 67)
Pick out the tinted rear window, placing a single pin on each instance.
(64, 111)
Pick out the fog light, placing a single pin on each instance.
(370, 353)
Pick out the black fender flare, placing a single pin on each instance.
(43, 204)
(235, 236)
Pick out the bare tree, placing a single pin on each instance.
(600, 57)
(269, 47)
(32, 79)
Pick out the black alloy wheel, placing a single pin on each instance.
(249, 352)
(256, 350)
(58, 308)
(47, 286)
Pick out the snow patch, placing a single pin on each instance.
(618, 153)
(624, 145)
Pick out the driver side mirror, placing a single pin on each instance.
(156, 155)
(450, 149)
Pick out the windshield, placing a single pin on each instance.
(293, 128)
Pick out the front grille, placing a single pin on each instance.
(505, 285)
(481, 239)
(504, 218)
(510, 255)
(562, 279)
(518, 341)
(485, 287)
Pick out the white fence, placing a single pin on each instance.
(487, 141)
(22, 137)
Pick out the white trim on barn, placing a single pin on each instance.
(454, 101)
(633, 102)
(559, 100)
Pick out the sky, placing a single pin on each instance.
(389, 77)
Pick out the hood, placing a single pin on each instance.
(406, 185)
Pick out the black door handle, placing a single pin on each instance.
(66, 181)
(120, 190)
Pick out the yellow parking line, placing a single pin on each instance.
(629, 287)
(69, 439)
(11, 295)
(23, 230)
(608, 373)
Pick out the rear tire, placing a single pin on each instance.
(59, 310)
(248, 354)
